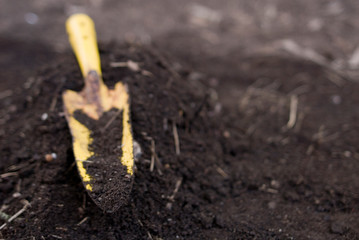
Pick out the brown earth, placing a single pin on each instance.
(241, 171)
(225, 87)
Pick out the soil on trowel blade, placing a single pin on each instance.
(110, 182)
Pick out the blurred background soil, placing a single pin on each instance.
(254, 54)
(198, 32)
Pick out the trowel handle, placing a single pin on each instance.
(82, 36)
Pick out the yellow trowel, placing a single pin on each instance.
(104, 158)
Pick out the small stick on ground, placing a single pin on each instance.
(176, 139)
(322, 135)
(172, 197)
(332, 137)
(153, 151)
(12, 218)
(178, 184)
(133, 66)
(14, 168)
(271, 190)
(55, 236)
(9, 174)
(154, 157)
(118, 64)
(293, 111)
(18, 186)
(149, 235)
(310, 150)
(82, 221)
(222, 172)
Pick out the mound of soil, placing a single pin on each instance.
(237, 167)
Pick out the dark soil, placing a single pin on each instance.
(111, 185)
(237, 172)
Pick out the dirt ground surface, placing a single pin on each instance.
(246, 113)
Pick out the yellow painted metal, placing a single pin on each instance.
(82, 37)
(80, 134)
(93, 101)
(127, 141)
